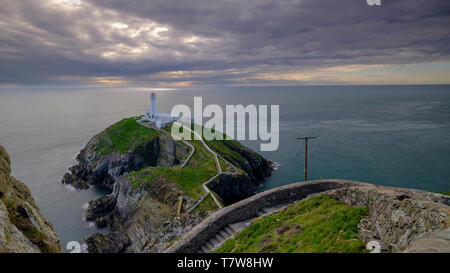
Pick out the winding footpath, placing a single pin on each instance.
(228, 231)
(219, 170)
(216, 159)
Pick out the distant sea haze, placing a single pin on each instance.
(386, 135)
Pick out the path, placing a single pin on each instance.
(216, 159)
(219, 169)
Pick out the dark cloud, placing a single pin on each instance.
(212, 42)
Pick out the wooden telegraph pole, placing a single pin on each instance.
(306, 154)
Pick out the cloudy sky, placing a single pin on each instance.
(223, 42)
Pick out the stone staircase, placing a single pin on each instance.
(230, 230)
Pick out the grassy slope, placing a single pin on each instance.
(223, 148)
(123, 136)
(199, 169)
(206, 205)
(445, 193)
(319, 224)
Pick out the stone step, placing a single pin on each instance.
(214, 241)
(225, 234)
(221, 235)
(209, 245)
(232, 228)
(267, 210)
(204, 248)
(238, 226)
(229, 230)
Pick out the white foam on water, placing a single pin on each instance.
(70, 188)
(84, 248)
(275, 165)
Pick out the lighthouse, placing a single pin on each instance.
(158, 119)
(153, 105)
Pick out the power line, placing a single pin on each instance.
(420, 66)
(443, 38)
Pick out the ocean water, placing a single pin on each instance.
(386, 135)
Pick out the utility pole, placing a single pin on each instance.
(306, 154)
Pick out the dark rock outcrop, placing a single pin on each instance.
(100, 207)
(113, 243)
(398, 216)
(232, 187)
(257, 167)
(93, 168)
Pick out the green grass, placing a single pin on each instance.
(225, 148)
(123, 136)
(225, 166)
(445, 193)
(199, 169)
(206, 205)
(318, 225)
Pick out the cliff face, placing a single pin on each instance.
(401, 220)
(232, 187)
(114, 152)
(152, 192)
(142, 220)
(22, 227)
(253, 164)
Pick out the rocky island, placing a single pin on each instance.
(161, 187)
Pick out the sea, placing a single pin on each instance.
(386, 135)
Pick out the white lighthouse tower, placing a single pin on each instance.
(158, 119)
(153, 105)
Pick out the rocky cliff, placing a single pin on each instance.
(123, 147)
(401, 220)
(152, 190)
(22, 226)
(232, 188)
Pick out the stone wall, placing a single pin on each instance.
(398, 217)
(248, 207)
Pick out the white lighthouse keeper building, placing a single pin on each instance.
(158, 119)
